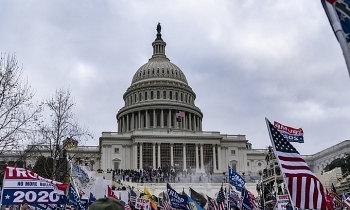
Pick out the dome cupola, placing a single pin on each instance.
(159, 96)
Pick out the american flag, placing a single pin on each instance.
(211, 203)
(337, 200)
(221, 200)
(346, 200)
(166, 205)
(180, 113)
(305, 189)
(133, 197)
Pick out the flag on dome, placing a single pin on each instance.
(305, 189)
(180, 113)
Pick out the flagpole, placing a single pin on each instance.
(279, 164)
(339, 33)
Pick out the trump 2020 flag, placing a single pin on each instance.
(235, 179)
(177, 200)
(304, 188)
(74, 198)
(290, 133)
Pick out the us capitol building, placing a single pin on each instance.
(160, 126)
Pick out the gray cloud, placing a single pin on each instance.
(245, 60)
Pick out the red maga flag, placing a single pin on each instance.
(304, 188)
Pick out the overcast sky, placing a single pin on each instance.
(245, 60)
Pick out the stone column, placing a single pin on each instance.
(184, 155)
(190, 121)
(154, 154)
(197, 159)
(219, 157)
(159, 164)
(162, 118)
(169, 119)
(194, 123)
(172, 154)
(132, 121)
(214, 159)
(135, 155)
(141, 166)
(139, 125)
(118, 126)
(154, 118)
(202, 159)
(147, 120)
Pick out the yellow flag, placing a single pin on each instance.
(148, 195)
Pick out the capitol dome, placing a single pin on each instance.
(159, 96)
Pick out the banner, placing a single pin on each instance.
(143, 204)
(177, 200)
(282, 201)
(291, 134)
(20, 184)
(235, 179)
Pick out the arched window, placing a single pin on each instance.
(158, 95)
(171, 95)
(140, 96)
(176, 96)
(145, 95)
(151, 94)
(181, 97)
(164, 94)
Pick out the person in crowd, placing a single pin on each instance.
(24, 205)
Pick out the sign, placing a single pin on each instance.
(291, 134)
(282, 201)
(21, 184)
(143, 204)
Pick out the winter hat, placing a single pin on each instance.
(106, 204)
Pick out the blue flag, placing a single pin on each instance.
(177, 200)
(91, 198)
(246, 203)
(235, 179)
(74, 198)
(193, 204)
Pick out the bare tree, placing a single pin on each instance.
(18, 113)
(61, 125)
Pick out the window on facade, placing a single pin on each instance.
(186, 98)
(158, 117)
(140, 96)
(135, 97)
(259, 164)
(181, 97)
(233, 152)
(176, 96)
(165, 118)
(171, 95)
(151, 118)
(151, 94)
(131, 99)
(158, 95)
(116, 150)
(145, 95)
(247, 163)
(164, 94)
(147, 158)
